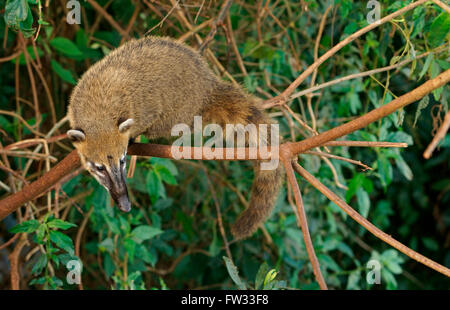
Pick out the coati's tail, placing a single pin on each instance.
(231, 105)
(265, 187)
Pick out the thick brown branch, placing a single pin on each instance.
(289, 149)
(372, 116)
(368, 225)
(304, 223)
(41, 185)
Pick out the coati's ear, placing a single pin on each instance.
(125, 124)
(76, 135)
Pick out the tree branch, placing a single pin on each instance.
(372, 116)
(283, 97)
(301, 217)
(368, 225)
(438, 136)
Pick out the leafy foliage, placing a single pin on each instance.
(171, 239)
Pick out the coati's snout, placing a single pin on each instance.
(113, 179)
(105, 159)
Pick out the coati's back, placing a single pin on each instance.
(146, 87)
(151, 79)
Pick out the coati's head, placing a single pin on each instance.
(103, 154)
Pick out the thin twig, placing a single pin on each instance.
(369, 226)
(301, 217)
(440, 134)
(108, 17)
(78, 238)
(218, 22)
(314, 74)
(366, 73)
(365, 143)
(444, 6)
(283, 97)
(370, 117)
(219, 215)
(355, 162)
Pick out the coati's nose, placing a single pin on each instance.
(124, 204)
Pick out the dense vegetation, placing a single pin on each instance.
(171, 239)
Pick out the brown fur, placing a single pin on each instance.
(159, 83)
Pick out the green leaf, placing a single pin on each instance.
(404, 168)
(353, 280)
(58, 223)
(430, 244)
(439, 29)
(363, 201)
(393, 266)
(147, 255)
(113, 224)
(26, 26)
(165, 174)
(328, 262)
(56, 282)
(152, 182)
(234, 273)
(130, 246)
(40, 264)
(64, 74)
(389, 278)
(260, 276)
(65, 47)
(108, 265)
(124, 225)
(385, 170)
(145, 232)
(81, 38)
(106, 245)
(355, 103)
(166, 163)
(25, 227)
(37, 281)
(16, 11)
(62, 241)
(350, 28)
(445, 65)
(344, 248)
(355, 183)
(270, 276)
(40, 233)
(423, 103)
(214, 246)
(400, 136)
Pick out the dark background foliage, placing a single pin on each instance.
(171, 239)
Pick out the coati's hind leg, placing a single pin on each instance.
(230, 105)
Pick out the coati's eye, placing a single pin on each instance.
(100, 168)
(122, 160)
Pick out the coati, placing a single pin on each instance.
(146, 86)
